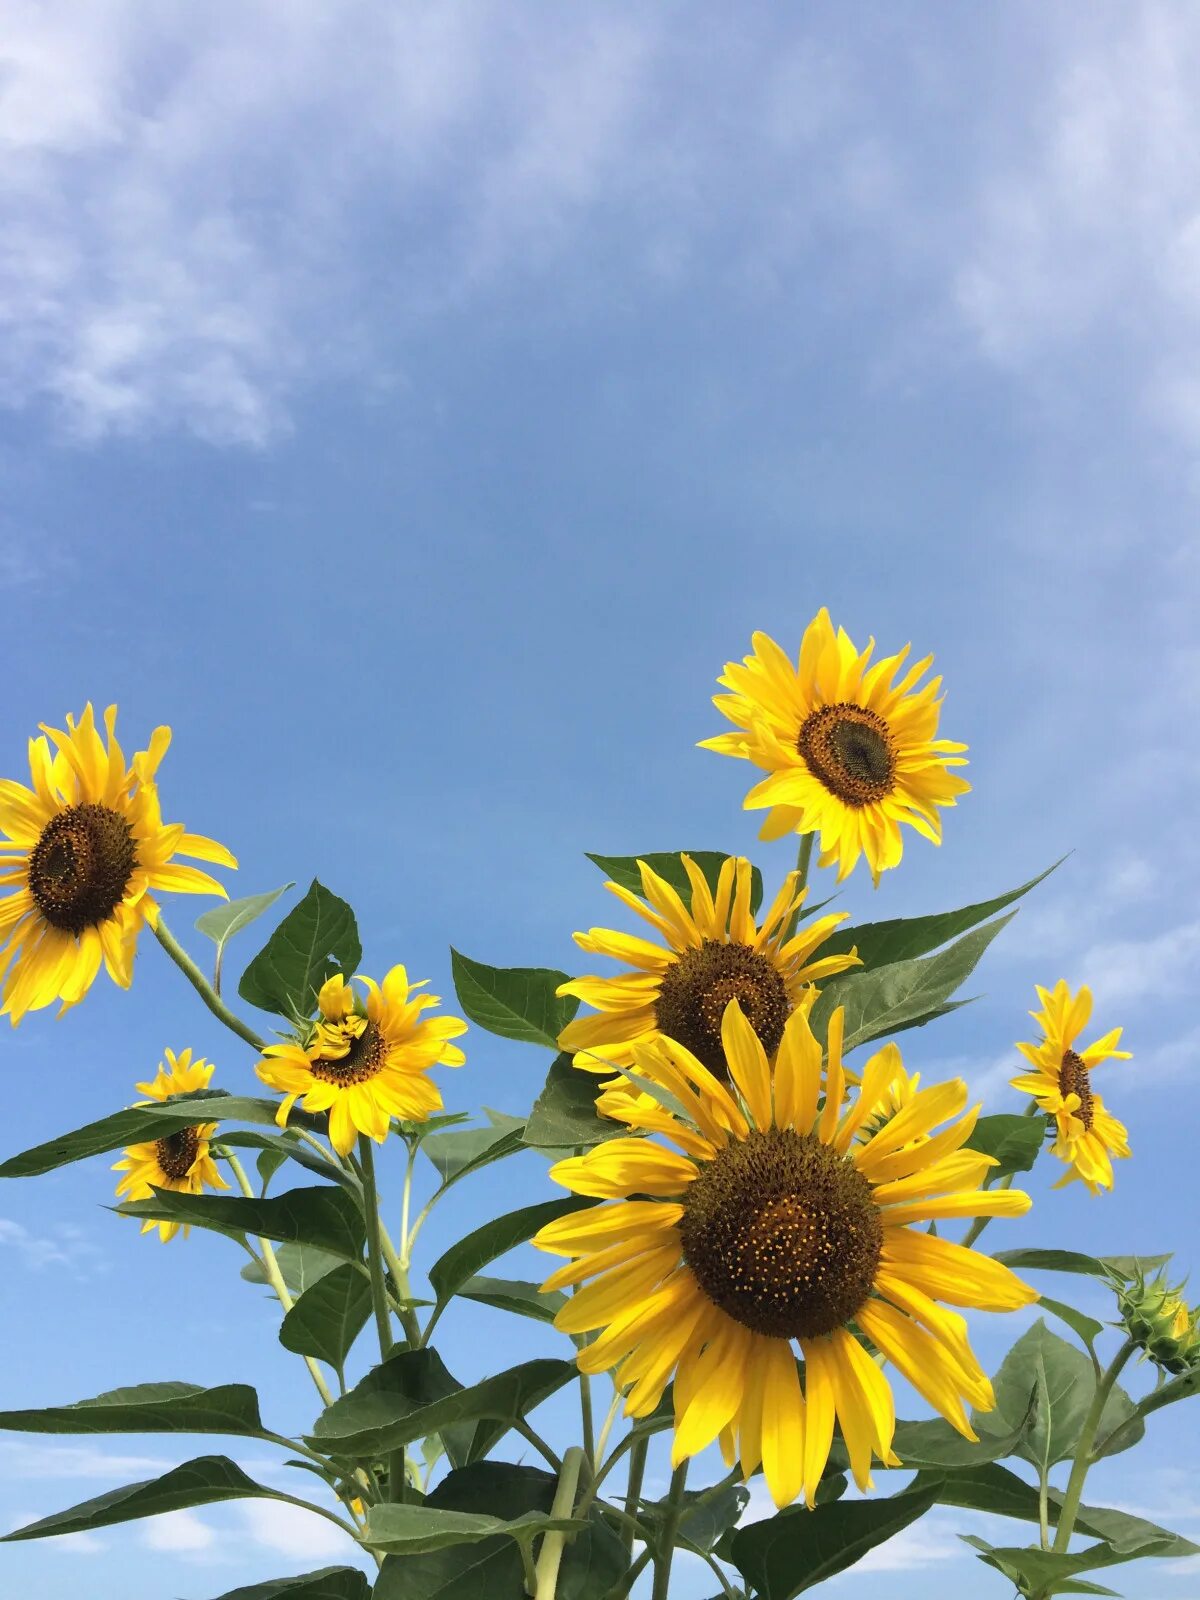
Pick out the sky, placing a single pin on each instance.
(416, 406)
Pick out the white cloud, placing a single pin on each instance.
(182, 1531)
(292, 1531)
(35, 1460)
(1155, 967)
(64, 1246)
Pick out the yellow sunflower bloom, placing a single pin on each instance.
(852, 753)
(180, 1160)
(83, 851)
(714, 953)
(773, 1222)
(366, 1062)
(1088, 1133)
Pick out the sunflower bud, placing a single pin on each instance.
(1159, 1319)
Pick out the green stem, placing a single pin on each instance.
(383, 1322)
(1083, 1450)
(1044, 1505)
(587, 1419)
(980, 1223)
(539, 1444)
(606, 1428)
(632, 1576)
(552, 1543)
(633, 1491)
(803, 859)
(666, 1540)
(202, 986)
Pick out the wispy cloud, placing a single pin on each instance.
(63, 1246)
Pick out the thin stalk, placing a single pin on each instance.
(606, 1428)
(330, 1516)
(632, 1576)
(1083, 1450)
(803, 859)
(633, 1491)
(383, 1322)
(1044, 1506)
(587, 1419)
(539, 1444)
(670, 1528)
(550, 1555)
(202, 986)
(980, 1223)
(399, 1272)
(405, 1204)
(267, 1261)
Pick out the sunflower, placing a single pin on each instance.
(783, 1214)
(366, 1062)
(179, 1160)
(714, 953)
(84, 849)
(1088, 1133)
(851, 752)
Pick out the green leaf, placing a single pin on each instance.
(564, 1115)
(707, 1514)
(140, 1123)
(880, 944)
(1034, 1571)
(515, 1002)
(936, 1444)
(904, 994)
(301, 1265)
(1131, 1267)
(1105, 1267)
(466, 1150)
(372, 1423)
(1088, 1329)
(330, 1583)
(1015, 1142)
(668, 864)
(417, 1530)
(289, 1148)
(798, 1549)
(201, 1482)
(512, 1294)
(223, 921)
(321, 1216)
(327, 1318)
(1180, 1388)
(1070, 1381)
(464, 1259)
(230, 1408)
(317, 938)
(408, 1382)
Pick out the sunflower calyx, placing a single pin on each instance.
(1159, 1320)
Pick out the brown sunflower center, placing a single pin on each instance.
(177, 1152)
(363, 1061)
(696, 989)
(782, 1234)
(851, 751)
(81, 866)
(1073, 1079)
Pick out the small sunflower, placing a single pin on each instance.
(180, 1160)
(366, 1062)
(84, 849)
(851, 752)
(1088, 1133)
(783, 1214)
(714, 953)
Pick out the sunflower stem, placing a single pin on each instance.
(803, 859)
(550, 1555)
(202, 986)
(1083, 1450)
(670, 1528)
(587, 1419)
(383, 1322)
(633, 1490)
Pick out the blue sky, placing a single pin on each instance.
(416, 407)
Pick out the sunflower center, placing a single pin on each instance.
(850, 749)
(363, 1061)
(782, 1234)
(176, 1152)
(81, 866)
(696, 989)
(1073, 1079)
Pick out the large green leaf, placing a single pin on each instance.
(1015, 1141)
(879, 944)
(287, 1147)
(668, 864)
(148, 1408)
(408, 1382)
(330, 1583)
(464, 1259)
(1105, 1267)
(1065, 1380)
(1034, 1571)
(593, 1562)
(317, 938)
(1087, 1328)
(904, 994)
(140, 1123)
(322, 1215)
(223, 921)
(564, 1115)
(196, 1483)
(301, 1265)
(327, 1318)
(418, 1530)
(466, 1150)
(936, 1444)
(799, 1548)
(515, 1002)
(515, 1295)
(373, 1422)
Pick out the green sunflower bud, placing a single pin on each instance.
(1160, 1321)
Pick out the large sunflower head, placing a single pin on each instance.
(83, 852)
(850, 751)
(785, 1216)
(180, 1160)
(1088, 1135)
(713, 952)
(366, 1060)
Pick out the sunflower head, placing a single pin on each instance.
(851, 750)
(770, 1212)
(1088, 1135)
(1160, 1321)
(365, 1058)
(82, 853)
(712, 952)
(180, 1160)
